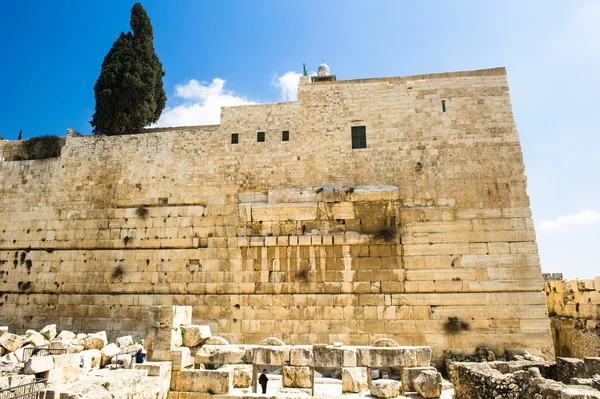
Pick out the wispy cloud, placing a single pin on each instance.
(201, 103)
(288, 85)
(584, 218)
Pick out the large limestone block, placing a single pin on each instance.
(65, 335)
(284, 211)
(67, 346)
(49, 332)
(270, 355)
(354, 379)
(66, 369)
(296, 377)
(330, 356)
(242, 376)
(194, 335)
(95, 341)
(182, 358)
(170, 316)
(592, 366)
(400, 356)
(11, 342)
(216, 341)
(124, 341)
(409, 374)
(220, 354)
(567, 368)
(107, 353)
(38, 364)
(301, 355)
(428, 384)
(165, 339)
(34, 338)
(385, 388)
(3, 329)
(91, 359)
(423, 356)
(202, 381)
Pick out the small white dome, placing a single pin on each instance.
(323, 70)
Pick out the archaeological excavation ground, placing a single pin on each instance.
(373, 233)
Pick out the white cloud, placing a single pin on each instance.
(288, 85)
(201, 105)
(584, 218)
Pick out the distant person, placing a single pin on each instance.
(262, 380)
(140, 356)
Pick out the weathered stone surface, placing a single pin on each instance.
(66, 335)
(387, 357)
(49, 331)
(385, 342)
(270, 355)
(409, 374)
(216, 341)
(170, 317)
(329, 356)
(242, 375)
(567, 368)
(66, 346)
(271, 341)
(124, 341)
(194, 335)
(34, 338)
(91, 359)
(385, 388)
(592, 366)
(202, 381)
(107, 353)
(65, 370)
(3, 329)
(296, 377)
(182, 358)
(423, 356)
(95, 341)
(301, 355)
(428, 384)
(219, 354)
(38, 364)
(354, 379)
(11, 342)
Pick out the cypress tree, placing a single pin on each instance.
(129, 91)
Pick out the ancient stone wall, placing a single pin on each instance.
(574, 307)
(307, 239)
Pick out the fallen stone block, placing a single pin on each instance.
(107, 353)
(91, 359)
(216, 341)
(423, 356)
(95, 341)
(220, 354)
(34, 338)
(409, 374)
(124, 341)
(65, 336)
(592, 366)
(301, 355)
(66, 369)
(49, 332)
(270, 355)
(194, 335)
(182, 358)
(401, 356)
(428, 384)
(38, 364)
(385, 388)
(296, 377)
(67, 346)
(354, 379)
(330, 356)
(170, 317)
(567, 368)
(11, 342)
(242, 376)
(3, 329)
(202, 381)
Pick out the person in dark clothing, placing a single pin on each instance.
(262, 380)
(140, 356)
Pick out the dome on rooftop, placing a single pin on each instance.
(323, 69)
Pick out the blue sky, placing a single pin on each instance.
(236, 52)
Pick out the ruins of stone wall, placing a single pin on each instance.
(574, 307)
(291, 239)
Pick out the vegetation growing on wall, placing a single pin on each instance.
(42, 147)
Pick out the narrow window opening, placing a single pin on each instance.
(359, 137)
(443, 105)
(260, 137)
(285, 135)
(235, 138)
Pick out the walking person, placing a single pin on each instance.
(262, 380)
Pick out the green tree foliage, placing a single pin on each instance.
(129, 91)
(20, 135)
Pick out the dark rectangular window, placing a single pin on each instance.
(285, 135)
(359, 137)
(260, 137)
(235, 138)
